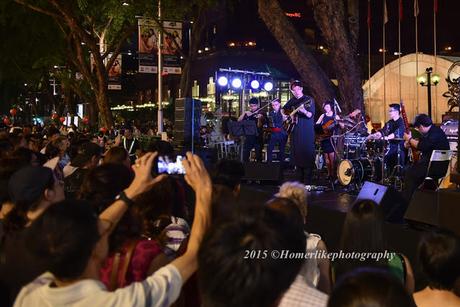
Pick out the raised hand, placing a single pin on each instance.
(143, 179)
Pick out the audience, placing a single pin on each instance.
(302, 291)
(74, 263)
(230, 275)
(439, 254)
(87, 158)
(370, 287)
(116, 234)
(316, 272)
(362, 232)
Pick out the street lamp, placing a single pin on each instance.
(428, 79)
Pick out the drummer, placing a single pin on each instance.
(393, 132)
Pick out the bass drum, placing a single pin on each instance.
(355, 171)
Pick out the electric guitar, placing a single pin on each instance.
(290, 122)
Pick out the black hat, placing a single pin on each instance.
(422, 120)
(84, 154)
(295, 83)
(29, 183)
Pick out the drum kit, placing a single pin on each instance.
(362, 159)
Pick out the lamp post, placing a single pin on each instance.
(428, 79)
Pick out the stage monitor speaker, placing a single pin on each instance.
(435, 208)
(263, 172)
(390, 200)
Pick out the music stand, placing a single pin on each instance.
(242, 128)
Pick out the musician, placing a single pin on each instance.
(303, 135)
(253, 141)
(393, 132)
(327, 124)
(432, 138)
(278, 135)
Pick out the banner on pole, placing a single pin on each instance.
(148, 46)
(172, 44)
(115, 74)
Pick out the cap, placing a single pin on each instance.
(295, 83)
(29, 183)
(84, 154)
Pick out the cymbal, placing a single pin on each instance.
(397, 139)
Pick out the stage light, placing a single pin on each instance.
(268, 86)
(236, 83)
(255, 84)
(222, 81)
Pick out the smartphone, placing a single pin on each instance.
(167, 165)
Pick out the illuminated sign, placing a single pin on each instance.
(294, 15)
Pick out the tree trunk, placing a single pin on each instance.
(315, 79)
(353, 23)
(330, 17)
(105, 114)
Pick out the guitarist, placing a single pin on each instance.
(432, 137)
(326, 124)
(253, 141)
(303, 135)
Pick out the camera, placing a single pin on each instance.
(168, 165)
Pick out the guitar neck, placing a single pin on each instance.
(404, 116)
(299, 107)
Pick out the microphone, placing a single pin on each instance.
(337, 105)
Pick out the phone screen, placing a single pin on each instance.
(168, 166)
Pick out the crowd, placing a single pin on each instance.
(85, 222)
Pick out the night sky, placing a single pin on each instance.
(248, 25)
(448, 33)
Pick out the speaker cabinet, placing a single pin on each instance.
(390, 200)
(435, 208)
(263, 172)
(187, 117)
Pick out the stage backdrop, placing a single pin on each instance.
(378, 109)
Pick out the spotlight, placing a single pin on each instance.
(222, 81)
(268, 86)
(236, 83)
(255, 84)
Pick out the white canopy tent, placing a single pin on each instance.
(377, 109)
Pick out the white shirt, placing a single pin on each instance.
(160, 289)
(300, 294)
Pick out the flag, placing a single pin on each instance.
(416, 9)
(368, 13)
(435, 6)
(385, 12)
(400, 10)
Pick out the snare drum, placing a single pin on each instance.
(355, 171)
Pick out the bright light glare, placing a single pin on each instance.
(236, 83)
(222, 81)
(268, 86)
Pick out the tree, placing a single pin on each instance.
(94, 33)
(342, 43)
(330, 18)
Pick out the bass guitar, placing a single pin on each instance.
(290, 122)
